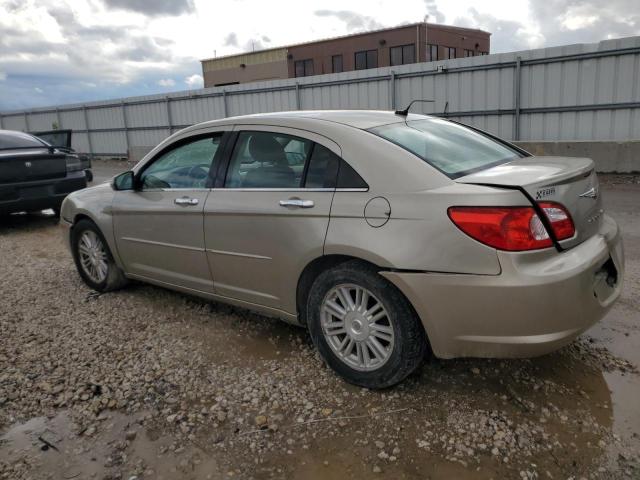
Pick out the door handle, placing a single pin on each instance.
(186, 201)
(296, 202)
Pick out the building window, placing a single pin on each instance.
(468, 53)
(433, 53)
(336, 64)
(449, 53)
(483, 53)
(366, 59)
(303, 68)
(403, 54)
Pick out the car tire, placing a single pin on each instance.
(93, 258)
(398, 352)
(89, 175)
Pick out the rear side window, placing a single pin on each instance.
(19, 140)
(267, 160)
(349, 178)
(452, 148)
(323, 168)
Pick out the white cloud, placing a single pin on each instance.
(102, 49)
(38, 90)
(194, 81)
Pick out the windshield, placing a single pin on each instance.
(452, 148)
(11, 140)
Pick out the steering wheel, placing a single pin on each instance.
(198, 172)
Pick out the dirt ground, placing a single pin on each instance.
(147, 383)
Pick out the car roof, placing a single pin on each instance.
(362, 119)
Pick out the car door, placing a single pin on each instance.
(268, 215)
(159, 225)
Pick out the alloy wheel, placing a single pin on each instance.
(357, 327)
(93, 256)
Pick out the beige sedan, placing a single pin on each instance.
(389, 236)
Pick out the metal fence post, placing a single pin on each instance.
(516, 98)
(224, 104)
(169, 119)
(297, 96)
(58, 118)
(392, 86)
(127, 144)
(86, 126)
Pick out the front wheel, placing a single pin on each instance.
(363, 326)
(93, 259)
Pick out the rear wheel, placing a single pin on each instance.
(93, 259)
(364, 327)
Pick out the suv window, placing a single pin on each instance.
(267, 160)
(186, 166)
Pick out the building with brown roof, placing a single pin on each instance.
(412, 43)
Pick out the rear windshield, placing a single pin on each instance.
(10, 140)
(452, 148)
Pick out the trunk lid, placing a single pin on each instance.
(30, 165)
(569, 181)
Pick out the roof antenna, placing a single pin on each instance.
(405, 112)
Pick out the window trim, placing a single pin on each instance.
(223, 134)
(448, 50)
(367, 67)
(303, 61)
(402, 59)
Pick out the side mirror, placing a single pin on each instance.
(124, 181)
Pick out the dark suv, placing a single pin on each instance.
(35, 175)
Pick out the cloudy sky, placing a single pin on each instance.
(62, 51)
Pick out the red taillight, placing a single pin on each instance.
(505, 228)
(513, 228)
(560, 220)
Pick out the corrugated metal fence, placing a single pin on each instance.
(576, 92)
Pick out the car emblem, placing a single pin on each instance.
(27, 164)
(591, 193)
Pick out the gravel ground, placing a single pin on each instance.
(148, 383)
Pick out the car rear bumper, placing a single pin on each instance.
(39, 195)
(540, 302)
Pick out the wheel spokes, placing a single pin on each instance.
(357, 327)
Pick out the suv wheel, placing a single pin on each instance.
(363, 326)
(93, 258)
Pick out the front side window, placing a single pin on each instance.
(267, 160)
(186, 166)
(452, 148)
